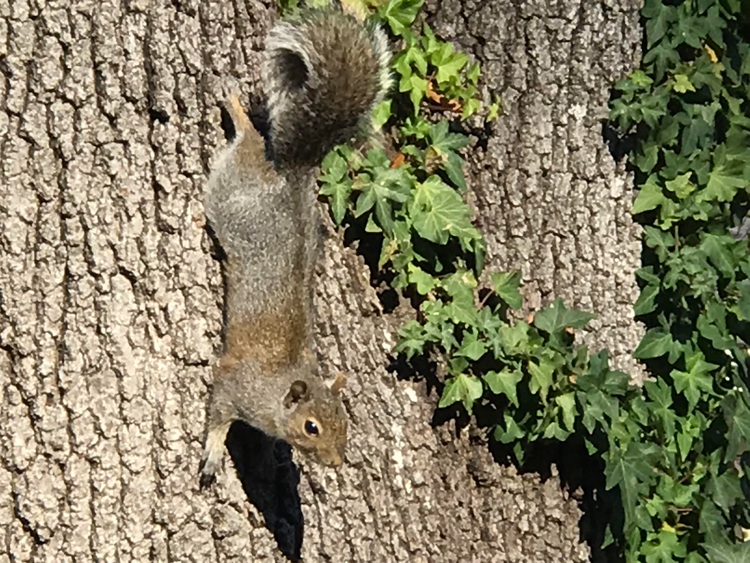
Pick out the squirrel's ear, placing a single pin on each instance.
(292, 69)
(336, 383)
(298, 393)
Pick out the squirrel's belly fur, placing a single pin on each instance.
(324, 71)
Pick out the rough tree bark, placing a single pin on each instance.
(110, 297)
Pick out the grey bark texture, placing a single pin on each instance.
(111, 296)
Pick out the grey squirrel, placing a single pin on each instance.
(323, 71)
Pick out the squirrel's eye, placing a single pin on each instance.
(311, 428)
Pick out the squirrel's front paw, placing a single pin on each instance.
(207, 469)
(212, 453)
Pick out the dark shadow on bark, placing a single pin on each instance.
(619, 144)
(580, 473)
(583, 476)
(270, 480)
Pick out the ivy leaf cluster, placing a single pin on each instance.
(414, 205)
(427, 68)
(688, 106)
(539, 381)
(412, 199)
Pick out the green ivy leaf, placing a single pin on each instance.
(656, 342)
(600, 377)
(656, 507)
(554, 430)
(675, 492)
(506, 287)
(515, 337)
(443, 141)
(470, 107)
(743, 301)
(596, 405)
(443, 144)
(399, 14)
(712, 326)
(684, 442)
(724, 179)
(658, 20)
(660, 395)
(423, 281)
(724, 552)
(737, 417)
(464, 388)
(418, 57)
(473, 73)
(448, 63)
(646, 301)
(648, 157)
(647, 274)
(489, 323)
(371, 226)
(555, 317)
(510, 433)
(719, 252)
(682, 84)
(457, 365)
(711, 521)
(640, 78)
(660, 58)
(660, 241)
(567, 404)
(649, 197)
(336, 184)
(715, 23)
(690, 28)
(631, 470)
(690, 383)
(438, 212)
(666, 134)
(541, 377)
(412, 339)
(414, 126)
(460, 288)
(386, 185)
(453, 166)
(681, 185)
(471, 347)
(380, 114)
(504, 383)
(417, 88)
(725, 489)
(664, 548)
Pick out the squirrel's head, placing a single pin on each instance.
(317, 421)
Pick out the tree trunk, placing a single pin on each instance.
(111, 294)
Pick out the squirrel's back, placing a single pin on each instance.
(324, 71)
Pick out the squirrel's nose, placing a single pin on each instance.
(335, 459)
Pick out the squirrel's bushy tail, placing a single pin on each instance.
(324, 71)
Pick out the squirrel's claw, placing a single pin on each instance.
(206, 480)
